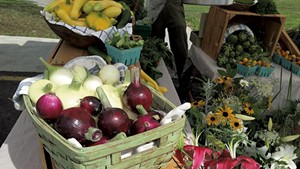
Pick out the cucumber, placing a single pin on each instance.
(94, 50)
(123, 18)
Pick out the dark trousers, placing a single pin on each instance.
(172, 17)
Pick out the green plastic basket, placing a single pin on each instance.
(295, 69)
(126, 56)
(108, 156)
(286, 64)
(277, 58)
(264, 71)
(246, 71)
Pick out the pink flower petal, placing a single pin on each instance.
(227, 163)
(199, 156)
(248, 162)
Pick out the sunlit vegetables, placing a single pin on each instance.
(70, 94)
(49, 107)
(57, 74)
(137, 93)
(92, 82)
(144, 122)
(39, 88)
(98, 21)
(112, 121)
(91, 104)
(109, 74)
(109, 96)
(77, 122)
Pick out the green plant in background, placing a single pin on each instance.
(153, 50)
(138, 8)
(265, 7)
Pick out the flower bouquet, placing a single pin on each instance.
(233, 128)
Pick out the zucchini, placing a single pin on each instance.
(94, 50)
(123, 18)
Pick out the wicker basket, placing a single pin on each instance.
(73, 38)
(66, 156)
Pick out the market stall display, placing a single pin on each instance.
(219, 19)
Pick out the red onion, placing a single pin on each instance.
(77, 122)
(144, 122)
(112, 121)
(49, 107)
(104, 139)
(137, 93)
(92, 104)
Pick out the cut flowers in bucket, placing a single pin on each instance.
(234, 126)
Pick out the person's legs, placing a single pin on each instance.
(172, 17)
(159, 26)
(176, 25)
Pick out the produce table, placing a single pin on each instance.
(206, 65)
(22, 149)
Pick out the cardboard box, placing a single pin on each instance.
(64, 52)
(220, 18)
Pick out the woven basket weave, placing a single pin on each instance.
(73, 38)
(108, 156)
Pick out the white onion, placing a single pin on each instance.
(92, 82)
(109, 74)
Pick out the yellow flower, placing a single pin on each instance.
(211, 119)
(247, 108)
(236, 124)
(199, 103)
(219, 80)
(225, 114)
(227, 80)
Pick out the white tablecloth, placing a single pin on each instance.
(207, 66)
(21, 149)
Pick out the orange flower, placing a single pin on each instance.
(236, 124)
(247, 108)
(211, 119)
(225, 114)
(199, 103)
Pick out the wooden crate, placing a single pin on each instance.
(220, 18)
(287, 43)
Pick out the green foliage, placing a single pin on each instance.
(153, 50)
(265, 7)
(138, 9)
(232, 39)
(229, 72)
